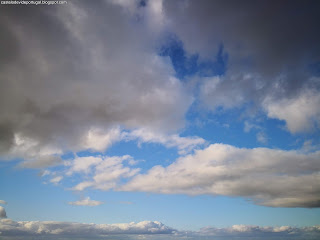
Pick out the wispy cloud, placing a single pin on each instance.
(184, 144)
(86, 202)
(56, 180)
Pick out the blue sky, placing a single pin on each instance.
(160, 120)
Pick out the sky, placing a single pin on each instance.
(159, 119)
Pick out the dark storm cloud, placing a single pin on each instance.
(271, 46)
(272, 35)
(66, 69)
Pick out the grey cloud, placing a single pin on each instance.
(3, 213)
(271, 46)
(9, 227)
(270, 35)
(147, 230)
(258, 232)
(268, 177)
(42, 162)
(79, 67)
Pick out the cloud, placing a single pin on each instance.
(262, 138)
(99, 140)
(267, 56)
(86, 202)
(42, 162)
(147, 230)
(56, 179)
(105, 172)
(268, 177)
(82, 164)
(77, 82)
(250, 36)
(184, 144)
(258, 232)
(301, 113)
(3, 202)
(3, 213)
(69, 229)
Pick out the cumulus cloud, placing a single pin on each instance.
(79, 80)
(301, 113)
(3, 213)
(82, 164)
(105, 172)
(268, 177)
(86, 202)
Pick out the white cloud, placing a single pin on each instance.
(269, 177)
(99, 140)
(56, 179)
(184, 144)
(86, 202)
(214, 92)
(3, 202)
(106, 171)
(82, 164)
(83, 185)
(248, 126)
(301, 113)
(3, 213)
(262, 137)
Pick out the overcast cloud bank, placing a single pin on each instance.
(10, 229)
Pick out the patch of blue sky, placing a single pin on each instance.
(217, 211)
(314, 68)
(142, 3)
(147, 154)
(188, 65)
(28, 198)
(228, 126)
